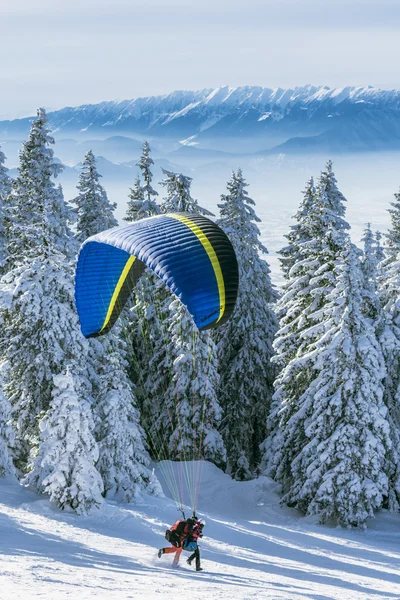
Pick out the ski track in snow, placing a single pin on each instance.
(251, 550)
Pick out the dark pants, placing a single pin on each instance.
(195, 555)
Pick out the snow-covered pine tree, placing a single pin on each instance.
(152, 303)
(151, 366)
(150, 206)
(300, 232)
(135, 209)
(6, 435)
(144, 325)
(141, 320)
(187, 413)
(5, 187)
(339, 471)
(298, 267)
(302, 321)
(61, 216)
(180, 410)
(153, 297)
(194, 387)
(148, 330)
(178, 194)
(95, 211)
(389, 280)
(245, 342)
(379, 249)
(5, 180)
(368, 259)
(64, 465)
(142, 201)
(41, 337)
(31, 194)
(388, 290)
(369, 265)
(123, 458)
(393, 236)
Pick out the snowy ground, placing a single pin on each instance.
(253, 549)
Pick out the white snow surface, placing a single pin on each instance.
(252, 549)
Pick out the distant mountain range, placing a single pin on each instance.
(243, 120)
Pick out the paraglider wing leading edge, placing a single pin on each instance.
(190, 253)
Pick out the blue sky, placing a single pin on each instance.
(59, 52)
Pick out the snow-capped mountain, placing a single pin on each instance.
(241, 119)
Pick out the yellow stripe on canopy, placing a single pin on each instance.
(117, 290)
(211, 255)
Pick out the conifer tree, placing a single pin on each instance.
(149, 330)
(393, 237)
(33, 195)
(301, 231)
(338, 470)
(64, 466)
(5, 187)
(379, 250)
(6, 435)
(389, 280)
(145, 164)
(61, 217)
(298, 267)
(180, 410)
(311, 276)
(142, 201)
(178, 194)
(41, 338)
(152, 302)
(144, 312)
(123, 461)
(152, 308)
(385, 330)
(369, 260)
(302, 322)
(95, 211)
(5, 180)
(187, 413)
(389, 335)
(245, 342)
(135, 210)
(369, 264)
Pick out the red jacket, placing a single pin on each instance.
(193, 534)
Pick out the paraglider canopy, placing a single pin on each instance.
(189, 252)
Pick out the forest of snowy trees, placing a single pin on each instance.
(301, 384)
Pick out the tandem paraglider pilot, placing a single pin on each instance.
(111, 262)
(183, 535)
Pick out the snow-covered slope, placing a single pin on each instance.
(318, 118)
(252, 549)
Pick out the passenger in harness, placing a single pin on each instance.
(183, 535)
(196, 534)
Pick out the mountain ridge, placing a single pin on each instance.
(319, 118)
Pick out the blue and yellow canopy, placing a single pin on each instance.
(190, 253)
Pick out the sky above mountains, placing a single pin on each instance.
(84, 51)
